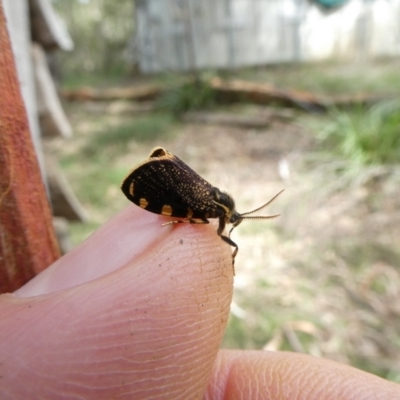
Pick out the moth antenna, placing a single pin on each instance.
(260, 208)
(256, 217)
(263, 216)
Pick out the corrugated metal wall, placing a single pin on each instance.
(192, 34)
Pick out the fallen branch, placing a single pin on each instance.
(236, 90)
(265, 93)
(233, 91)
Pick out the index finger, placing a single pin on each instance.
(138, 310)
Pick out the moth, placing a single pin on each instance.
(164, 184)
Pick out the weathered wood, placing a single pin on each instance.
(61, 227)
(234, 34)
(264, 93)
(28, 243)
(47, 28)
(233, 91)
(63, 200)
(138, 93)
(53, 121)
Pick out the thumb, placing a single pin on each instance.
(284, 375)
(137, 311)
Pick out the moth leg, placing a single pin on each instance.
(189, 220)
(233, 244)
(228, 240)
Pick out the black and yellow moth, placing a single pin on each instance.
(163, 184)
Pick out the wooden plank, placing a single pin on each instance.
(240, 33)
(28, 243)
(53, 121)
(47, 27)
(63, 200)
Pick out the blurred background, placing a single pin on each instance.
(256, 96)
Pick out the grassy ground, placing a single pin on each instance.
(324, 278)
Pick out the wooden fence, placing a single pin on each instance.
(192, 34)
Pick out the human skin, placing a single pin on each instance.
(138, 311)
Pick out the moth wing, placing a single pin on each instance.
(167, 181)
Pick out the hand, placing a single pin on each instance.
(138, 311)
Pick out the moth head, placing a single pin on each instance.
(224, 201)
(235, 219)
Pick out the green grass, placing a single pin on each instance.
(365, 136)
(248, 333)
(94, 184)
(187, 96)
(98, 80)
(140, 129)
(264, 320)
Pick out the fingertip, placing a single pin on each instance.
(159, 317)
(129, 235)
(119, 241)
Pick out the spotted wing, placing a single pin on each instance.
(166, 185)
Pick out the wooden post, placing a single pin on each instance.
(27, 240)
